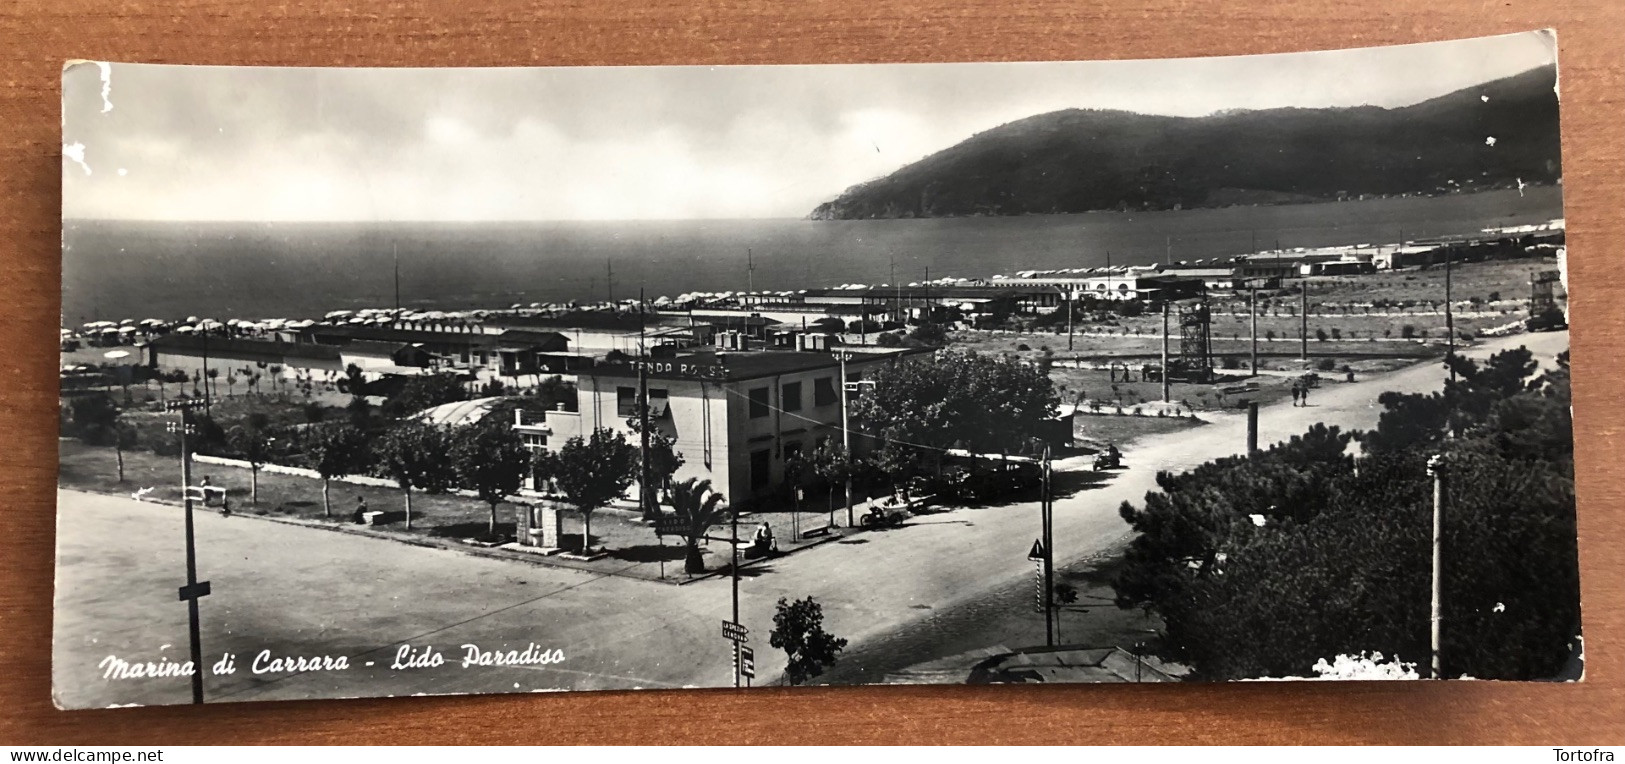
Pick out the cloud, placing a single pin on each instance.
(223, 143)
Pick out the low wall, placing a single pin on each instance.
(286, 470)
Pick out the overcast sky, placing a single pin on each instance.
(227, 143)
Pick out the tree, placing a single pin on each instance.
(832, 464)
(699, 509)
(798, 629)
(124, 437)
(1268, 566)
(414, 454)
(928, 334)
(335, 451)
(664, 461)
(592, 472)
(425, 392)
(252, 441)
(489, 459)
(91, 417)
(956, 399)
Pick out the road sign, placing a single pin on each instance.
(1037, 552)
(194, 591)
(747, 662)
(670, 525)
(735, 632)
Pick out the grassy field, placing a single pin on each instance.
(92, 468)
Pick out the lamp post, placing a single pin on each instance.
(193, 590)
(1436, 464)
(846, 429)
(1047, 508)
(1066, 294)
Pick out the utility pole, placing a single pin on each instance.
(1252, 429)
(735, 570)
(609, 277)
(645, 492)
(927, 302)
(1252, 307)
(1436, 470)
(193, 590)
(750, 271)
(1303, 317)
(1167, 388)
(1449, 313)
(396, 249)
(846, 437)
(1047, 510)
(208, 409)
(1068, 296)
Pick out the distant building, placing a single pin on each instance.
(737, 417)
(510, 353)
(197, 355)
(597, 333)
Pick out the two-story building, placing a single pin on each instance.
(736, 417)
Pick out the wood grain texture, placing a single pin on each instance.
(37, 35)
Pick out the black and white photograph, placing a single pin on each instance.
(398, 382)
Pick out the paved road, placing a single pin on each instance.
(307, 592)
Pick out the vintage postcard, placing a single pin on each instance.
(389, 382)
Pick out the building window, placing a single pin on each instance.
(761, 469)
(758, 403)
(626, 401)
(791, 396)
(824, 391)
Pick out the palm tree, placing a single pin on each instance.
(698, 508)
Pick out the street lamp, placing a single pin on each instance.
(194, 589)
(1436, 465)
(846, 430)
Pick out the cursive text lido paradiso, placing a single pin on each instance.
(265, 662)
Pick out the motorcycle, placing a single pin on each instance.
(884, 516)
(1108, 460)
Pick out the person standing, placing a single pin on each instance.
(1297, 392)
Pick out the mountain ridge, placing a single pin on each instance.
(1083, 160)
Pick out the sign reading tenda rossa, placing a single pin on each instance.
(677, 368)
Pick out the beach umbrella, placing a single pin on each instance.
(185, 329)
(116, 354)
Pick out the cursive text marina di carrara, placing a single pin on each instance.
(266, 662)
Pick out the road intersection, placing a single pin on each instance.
(404, 617)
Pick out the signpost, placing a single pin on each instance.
(194, 589)
(744, 659)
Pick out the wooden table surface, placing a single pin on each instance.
(37, 35)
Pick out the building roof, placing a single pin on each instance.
(729, 366)
(457, 413)
(1200, 272)
(590, 320)
(934, 292)
(374, 348)
(383, 334)
(530, 339)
